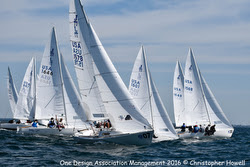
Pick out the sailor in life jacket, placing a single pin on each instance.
(207, 130)
(51, 123)
(196, 129)
(183, 127)
(35, 124)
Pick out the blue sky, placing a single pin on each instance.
(217, 31)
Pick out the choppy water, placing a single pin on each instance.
(25, 150)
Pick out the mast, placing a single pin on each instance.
(65, 113)
(34, 104)
(149, 85)
(202, 91)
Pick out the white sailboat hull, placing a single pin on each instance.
(139, 138)
(13, 126)
(43, 130)
(220, 133)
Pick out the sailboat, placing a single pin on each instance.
(199, 104)
(128, 125)
(56, 95)
(178, 96)
(143, 90)
(12, 96)
(24, 104)
(12, 92)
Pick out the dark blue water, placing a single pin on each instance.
(25, 150)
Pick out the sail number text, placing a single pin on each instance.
(77, 53)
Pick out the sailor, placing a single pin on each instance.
(12, 121)
(35, 123)
(212, 130)
(60, 124)
(98, 125)
(28, 121)
(201, 129)
(51, 123)
(196, 129)
(207, 130)
(190, 129)
(183, 127)
(109, 123)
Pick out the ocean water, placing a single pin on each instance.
(33, 150)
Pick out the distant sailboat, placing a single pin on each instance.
(128, 125)
(56, 94)
(200, 105)
(178, 96)
(143, 90)
(12, 92)
(25, 106)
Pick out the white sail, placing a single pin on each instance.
(25, 108)
(178, 96)
(50, 102)
(143, 90)
(195, 105)
(162, 124)
(75, 113)
(123, 111)
(84, 67)
(215, 112)
(12, 92)
(140, 87)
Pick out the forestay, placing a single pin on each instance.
(178, 96)
(25, 108)
(122, 110)
(195, 107)
(83, 64)
(50, 101)
(12, 92)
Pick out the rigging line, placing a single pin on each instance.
(148, 99)
(50, 101)
(92, 85)
(196, 105)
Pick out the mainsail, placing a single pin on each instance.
(123, 111)
(84, 67)
(140, 86)
(143, 90)
(50, 102)
(178, 96)
(195, 105)
(25, 107)
(12, 92)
